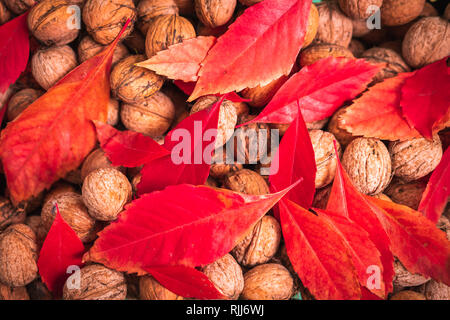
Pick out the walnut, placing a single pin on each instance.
(320, 51)
(317, 125)
(186, 7)
(59, 188)
(246, 181)
(444, 224)
(135, 181)
(74, 213)
(9, 214)
(408, 194)
(211, 182)
(404, 278)
(376, 36)
(395, 45)
(313, 26)
(74, 177)
(50, 65)
(358, 9)
(104, 19)
(152, 117)
(97, 283)
(359, 28)
(227, 117)
(5, 14)
(368, 164)
(415, 158)
(166, 30)
(324, 155)
(49, 22)
(214, 13)
(398, 12)
(20, 101)
(335, 127)
(408, 295)
(270, 281)
(19, 6)
(356, 47)
(39, 291)
(321, 198)
(249, 3)
(260, 244)
(223, 164)
(150, 289)
(147, 10)
(34, 222)
(11, 293)
(226, 275)
(394, 62)
(95, 160)
(135, 42)
(133, 84)
(426, 41)
(89, 48)
(334, 26)
(261, 95)
(105, 191)
(434, 290)
(113, 112)
(18, 256)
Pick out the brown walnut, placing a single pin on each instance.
(186, 7)
(356, 47)
(95, 160)
(398, 12)
(246, 181)
(403, 278)
(147, 10)
(335, 127)
(9, 214)
(89, 48)
(11, 293)
(408, 194)
(5, 14)
(150, 289)
(434, 290)
(223, 164)
(20, 101)
(261, 95)
(113, 112)
(334, 26)
(214, 13)
(321, 198)
(313, 26)
(358, 9)
(394, 63)
(19, 6)
(320, 51)
(408, 295)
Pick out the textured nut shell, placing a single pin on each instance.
(105, 18)
(223, 165)
(324, 155)
(368, 165)
(394, 62)
(58, 188)
(89, 48)
(152, 117)
(321, 51)
(186, 7)
(95, 160)
(408, 194)
(334, 126)
(313, 25)
(360, 28)
(20, 101)
(398, 12)
(415, 158)
(49, 22)
(270, 281)
(18, 256)
(427, 41)
(113, 112)
(356, 47)
(404, 278)
(147, 10)
(246, 181)
(74, 213)
(260, 96)
(5, 14)
(395, 45)
(214, 13)
(19, 6)
(48, 66)
(166, 30)
(9, 214)
(105, 191)
(11, 293)
(150, 289)
(334, 26)
(133, 84)
(226, 275)
(317, 125)
(444, 224)
(408, 295)
(436, 291)
(135, 41)
(358, 9)
(97, 283)
(260, 244)
(321, 198)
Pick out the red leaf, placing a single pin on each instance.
(426, 97)
(193, 165)
(294, 160)
(320, 89)
(186, 87)
(127, 148)
(181, 225)
(186, 282)
(415, 240)
(318, 254)
(14, 50)
(260, 46)
(54, 134)
(437, 192)
(180, 61)
(62, 248)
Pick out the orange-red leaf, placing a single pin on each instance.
(180, 61)
(260, 46)
(181, 225)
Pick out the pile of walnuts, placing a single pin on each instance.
(89, 198)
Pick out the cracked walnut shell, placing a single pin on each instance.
(150, 289)
(246, 181)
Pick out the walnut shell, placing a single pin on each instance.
(50, 65)
(426, 41)
(398, 12)
(321, 198)
(223, 165)
(95, 160)
(133, 84)
(320, 51)
(415, 158)
(49, 21)
(317, 125)
(246, 181)
(211, 182)
(270, 281)
(249, 3)
(59, 188)
(335, 127)
(89, 48)
(313, 26)
(226, 275)
(404, 278)
(5, 14)
(150, 289)
(408, 295)
(18, 256)
(166, 30)
(9, 214)
(358, 9)
(356, 47)
(113, 112)
(260, 244)
(408, 194)
(74, 213)
(34, 222)
(394, 62)
(11, 293)
(368, 164)
(334, 26)
(434, 290)
(104, 19)
(97, 283)
(135, 42)
(214, 13)
(147, 10)
(152, 117)
(105, 191)
(261, 95)
(186, 7)
(20, 101)
(325, 156)
(360, 28)
(444, 224)
(19, 6)
(395, 45)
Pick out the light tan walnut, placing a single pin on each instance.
(334, 26)
(394, 63)
(9, 214)
(89, 48)
(261, 95)
(335, 127)
(222, 165)
(398, 12)
(95, 160)
(214, 13)
(113, 112)
(320, 51)
(19, 6)
(408, 295)
(150, 289)
(434, 290)
(11, 293)
(148, 10)
(404, 278)
(246, 181)
(359, 9)
(313, 26)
